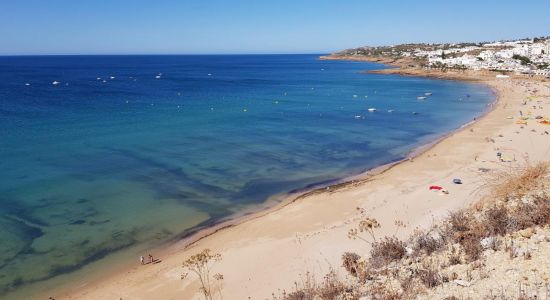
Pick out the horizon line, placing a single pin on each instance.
(164, 54)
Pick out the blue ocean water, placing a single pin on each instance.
(137, 150)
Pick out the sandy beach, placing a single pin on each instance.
(268, 251)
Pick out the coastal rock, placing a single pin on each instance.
(527, 233)
(539, 238)
(488, 242)
(461, 282)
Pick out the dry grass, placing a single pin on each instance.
(426, 243)
(387, 250)
(350, 262)
(429, 275)
(497, 220)
(515, 182)
(331, 287)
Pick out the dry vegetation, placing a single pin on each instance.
(396, 269)
(200, 265)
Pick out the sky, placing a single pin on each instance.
(36, 27)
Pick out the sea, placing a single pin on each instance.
(105, 157)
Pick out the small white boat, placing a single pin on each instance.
(358, 117)
(421, 98)
(428, 94)
(354, 96)
(99, 78)
(112, 77)
(56, 82)
(390, 110)
(372, 109)
(27, 84)
(157, 77)
(209, 74)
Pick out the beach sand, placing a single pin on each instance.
(267, 252)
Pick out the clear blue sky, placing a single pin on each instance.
(256, 26)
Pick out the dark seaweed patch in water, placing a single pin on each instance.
(164, 172)
(21, 211)
(93, 223)
(260, 189)
(82, 200)
(119, 242)
(77, 222)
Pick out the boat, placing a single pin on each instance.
(428, 94)
(112, 77)
(27, 84)
(390, 110)
(157, 77)
(56, 82)
(421, 97)
(372, 109)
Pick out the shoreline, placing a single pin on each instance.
(294, 196)
(287, 198)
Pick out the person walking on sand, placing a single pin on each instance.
(142, 259)
(150, 258)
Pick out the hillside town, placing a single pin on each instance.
(525, 56)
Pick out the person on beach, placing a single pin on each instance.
(150, 258)
(142, 260)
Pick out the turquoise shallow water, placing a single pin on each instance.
(93, 166)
